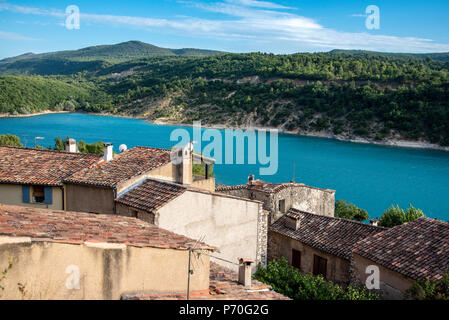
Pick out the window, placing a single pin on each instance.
(282, 206)
(319, 266)
(37, 194)
(134, 213)
(296, 258)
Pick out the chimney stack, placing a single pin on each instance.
(374, 222)
(108, 153)
(70, 145)
(181, 159)
(245, 272)
(293, 221)
(251, 179)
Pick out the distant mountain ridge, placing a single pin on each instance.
(91, 57)
(443, 56)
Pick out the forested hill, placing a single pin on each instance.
(444, 56)
(351, 95)
(90, 58)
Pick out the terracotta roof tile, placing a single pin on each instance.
(41, 167)
(418, 249)
(332, 235)
(124, 166)
(223, 286)
(77, 227)
(151, 195)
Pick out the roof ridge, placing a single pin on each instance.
(54, 151)
(338, 218)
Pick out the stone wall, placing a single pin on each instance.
(281, 246)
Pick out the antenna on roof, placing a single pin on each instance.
(123, 148)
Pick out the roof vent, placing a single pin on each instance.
(251, 179)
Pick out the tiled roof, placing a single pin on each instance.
(223, 286)
(124, 166)
(41, 167)
(151, 195)
(418, 249)
(77, 227)
(332, 235)
(262, 186)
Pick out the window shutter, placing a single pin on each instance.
(48, 191)
(26, 194)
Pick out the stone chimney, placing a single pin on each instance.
(374, 222)
(70, 145)
(245, 272)
(182, 164)
(292, 221)
(108, 152)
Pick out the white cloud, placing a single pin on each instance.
(249, 21)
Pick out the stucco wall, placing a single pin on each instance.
(338, 270)
(89, 199)
(393, 285)
(227, 223)
(12, 194)
(105, 271)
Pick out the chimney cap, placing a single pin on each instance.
(108, 144)
(245, 261)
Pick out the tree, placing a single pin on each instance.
(59, 144)
(395, 216)
(289, 281)
(350, 211)
(10, 140)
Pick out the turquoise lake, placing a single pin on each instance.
(372, 177)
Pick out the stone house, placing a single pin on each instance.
(413, 251)
(278, 198)
(317, 244)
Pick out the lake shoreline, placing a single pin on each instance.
(324, 135)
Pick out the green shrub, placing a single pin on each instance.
(395, 216)
(10, 140)
(429, 290)
(288, 281)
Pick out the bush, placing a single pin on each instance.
(10, 140)
(288, 281)
(429, 290)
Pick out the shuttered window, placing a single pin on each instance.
(26, 194)
(296, 258)
(319, 266)
(48, 194)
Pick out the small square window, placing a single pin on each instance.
(38, 194)
(134, 213)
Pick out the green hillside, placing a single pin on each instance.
(24, 95)
(443, 56)
(88, 59)
(349, 95)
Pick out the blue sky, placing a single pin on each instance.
(278, 26)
